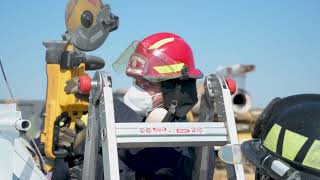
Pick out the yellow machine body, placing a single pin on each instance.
(58, 101)
(81, 17)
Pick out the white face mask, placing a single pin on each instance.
(139, 100)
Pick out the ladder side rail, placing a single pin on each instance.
(233, 135)
(101, 130)
(205, 156)
(91, 144)
(108, 131)
(225, 113)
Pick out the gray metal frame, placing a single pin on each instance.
(221, 96)
(102, 130)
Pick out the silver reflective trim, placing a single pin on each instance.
(279, 167)
(265, 160)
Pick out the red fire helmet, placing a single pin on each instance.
(160, 57)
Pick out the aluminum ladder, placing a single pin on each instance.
(102, 131)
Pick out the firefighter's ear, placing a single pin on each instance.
(157, 115)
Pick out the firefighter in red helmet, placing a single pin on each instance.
(163, 90)
(162, 57)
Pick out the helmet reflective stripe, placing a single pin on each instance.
(292, 144)
(312, 158)
(271, 140)
(160, 43)
(279, 167)
(135, 71)
(169, 68)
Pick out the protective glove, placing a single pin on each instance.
(72, 86)
(75, 172)
(69, 137)
(66, 137)
(79, 142)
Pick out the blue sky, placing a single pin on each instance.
(280, 37)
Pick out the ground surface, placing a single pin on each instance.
(220, 174)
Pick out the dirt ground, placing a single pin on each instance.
(221, 174)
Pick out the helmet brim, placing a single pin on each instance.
(253, 152)
(195, 74)
(256, 154)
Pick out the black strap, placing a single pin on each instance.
(171, 111)
(174, 103)
(280, 140)
(303, 151)
(168, 116)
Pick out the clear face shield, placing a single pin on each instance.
(148, 63)
(231, 154)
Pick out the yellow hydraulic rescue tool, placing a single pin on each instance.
(88, 24)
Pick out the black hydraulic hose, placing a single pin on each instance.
(5, 79)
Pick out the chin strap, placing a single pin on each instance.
(171, 111)
(173, 105)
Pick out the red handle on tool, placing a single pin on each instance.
(85, 84)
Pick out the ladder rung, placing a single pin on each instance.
(173, 141)
(170, 129)
(165, 131)
(172, 124)
(171, 134)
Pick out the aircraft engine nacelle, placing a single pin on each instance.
(241, 101)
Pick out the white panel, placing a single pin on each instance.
(26, 159)
(6, 156)
(8, 107)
